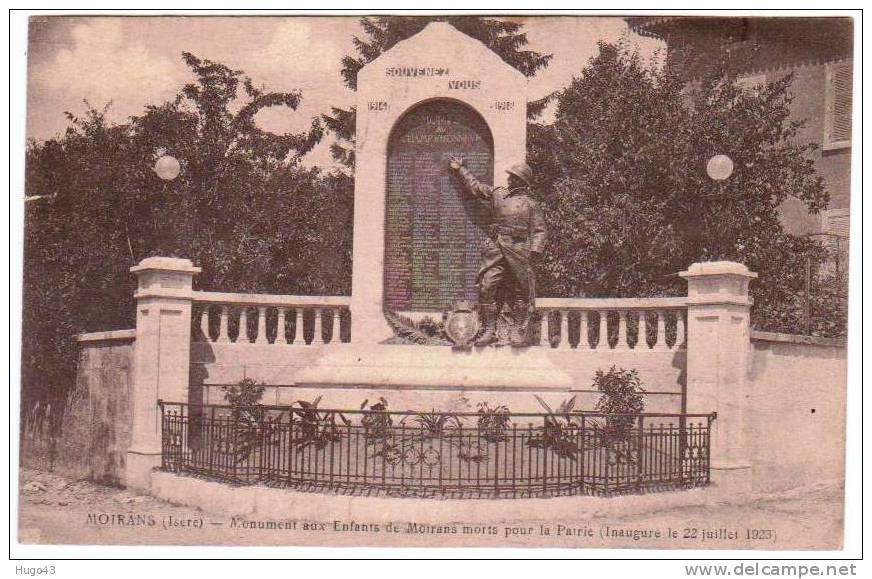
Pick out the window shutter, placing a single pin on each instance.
(836, 222)
(839, 96)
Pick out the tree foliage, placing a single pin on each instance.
(631, 203)
(242, 208)
(383, 32)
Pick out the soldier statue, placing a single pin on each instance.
(513, 248)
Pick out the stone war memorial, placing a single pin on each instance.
(390, 394)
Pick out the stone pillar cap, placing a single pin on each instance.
(717, 268)
(165, 264)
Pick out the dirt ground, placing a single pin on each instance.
(57, 510)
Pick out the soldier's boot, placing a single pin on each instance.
(520, 327)
(488, 315)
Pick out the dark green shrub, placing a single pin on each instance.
(622, 394)
(493, 422)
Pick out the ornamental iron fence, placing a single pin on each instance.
(490, 453)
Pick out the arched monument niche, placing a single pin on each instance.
(434, 230)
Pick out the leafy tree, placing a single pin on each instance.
(632, 204)
(242, 208)
(383, 32)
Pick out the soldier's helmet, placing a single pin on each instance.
(523, 172)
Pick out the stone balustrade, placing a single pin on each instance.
(566, 323)
(639, 324)
(225, 318)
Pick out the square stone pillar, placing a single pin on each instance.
(161, 356)
(718, 358)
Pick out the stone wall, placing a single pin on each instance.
(425, 378)
(796, 426)
(95, 432)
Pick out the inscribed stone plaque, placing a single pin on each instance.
(434, 230)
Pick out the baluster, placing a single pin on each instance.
(299, 340)
(280, 328)
(642, 340)
(260, 333)
(223, 332)
(622, 343)
(544, 339)
(583, 337)
(204, 325)
(336, 336)
(318, 336)
(603, 343)
(661, 344)
(679, 330)
(242, 336)
(564, 344)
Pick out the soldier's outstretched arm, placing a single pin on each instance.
(473, 185)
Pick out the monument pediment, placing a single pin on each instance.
(441, 54)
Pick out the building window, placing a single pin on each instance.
(837, 114)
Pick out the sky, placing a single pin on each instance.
(136, 61)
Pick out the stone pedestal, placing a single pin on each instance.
(161, 356)
(718, 354)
